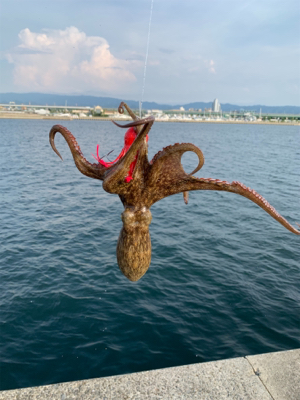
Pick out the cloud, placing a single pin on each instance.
(211, 66)
(201, 66)
(68, 61)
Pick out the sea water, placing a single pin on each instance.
(224, 277)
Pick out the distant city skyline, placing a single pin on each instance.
(239, 52)
(47, 99)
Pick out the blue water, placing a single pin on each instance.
(224, 279)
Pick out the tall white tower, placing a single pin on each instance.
(216, 106)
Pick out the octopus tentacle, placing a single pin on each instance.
(173, 153)
(252, 195)
(169, 159)
(137, 122)
(130, 112)
(179, 150)
(95, 171)
(186, 197)
(193, 183)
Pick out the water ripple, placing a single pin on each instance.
(224, 278)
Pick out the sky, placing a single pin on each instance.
(242, 52)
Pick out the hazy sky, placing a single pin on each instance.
(239, 51)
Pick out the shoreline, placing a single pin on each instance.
(5, 115)
(269, 376)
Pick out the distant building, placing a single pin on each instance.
(181, 109)
(109, 112)
(98, 110)
(216, 106)
(80, 111)
(42, 111)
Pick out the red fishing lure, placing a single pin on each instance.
(129, 138)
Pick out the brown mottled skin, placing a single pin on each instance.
(152, 181)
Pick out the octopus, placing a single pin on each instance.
(140, 183)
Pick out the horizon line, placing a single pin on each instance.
(145, 101)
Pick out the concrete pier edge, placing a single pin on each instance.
(271, 376)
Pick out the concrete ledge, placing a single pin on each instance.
(279, 372)
(263, 377)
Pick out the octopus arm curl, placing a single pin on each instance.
(169, 160)
(130, 112)
(172, 155)
(95, 171)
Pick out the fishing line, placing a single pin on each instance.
(146, 59)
